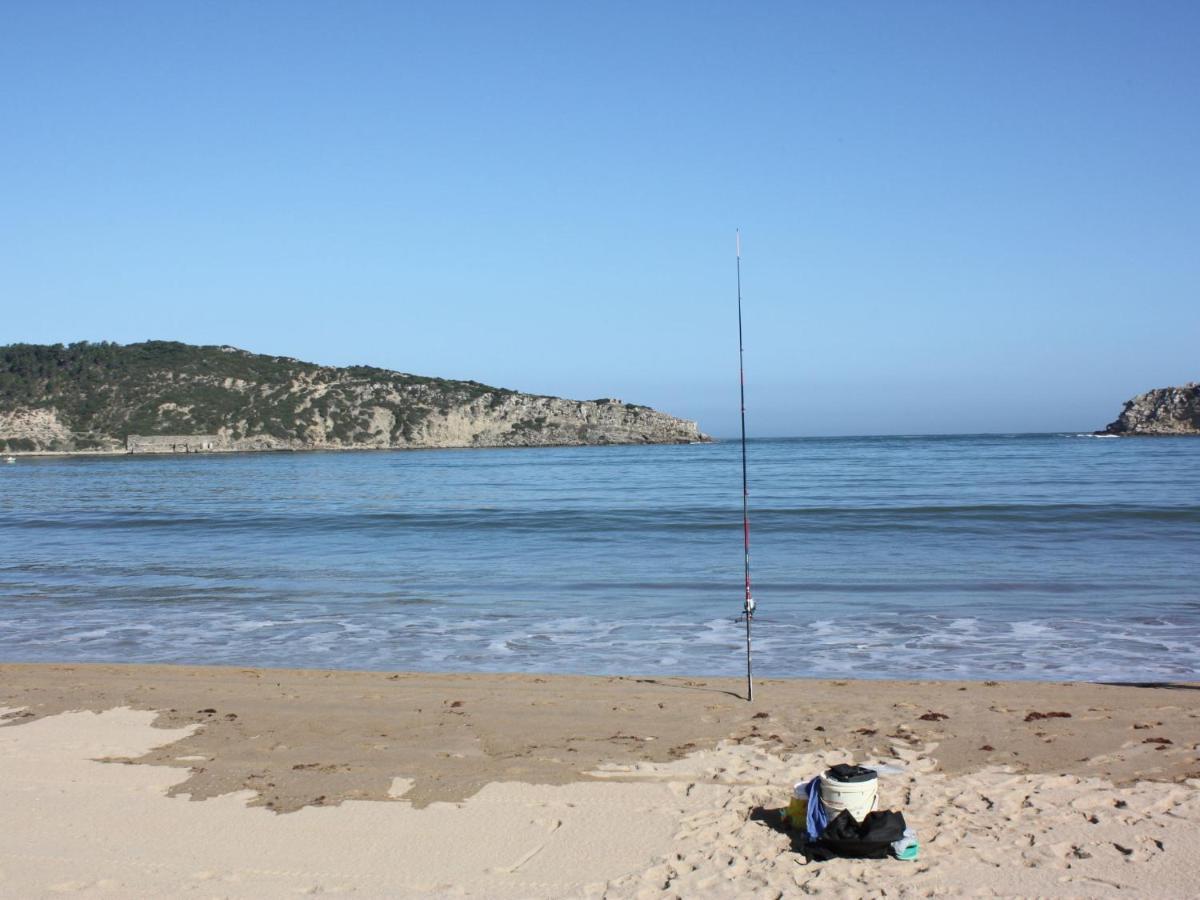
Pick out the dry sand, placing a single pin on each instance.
(515, 786)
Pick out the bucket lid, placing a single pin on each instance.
(850, 774)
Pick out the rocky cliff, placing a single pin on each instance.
(152, 396)
(1173, 410)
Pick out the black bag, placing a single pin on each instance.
(869, 839)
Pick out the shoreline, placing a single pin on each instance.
(108, 454)
(709, 439)
(734, 685)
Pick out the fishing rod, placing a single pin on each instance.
(748, 603)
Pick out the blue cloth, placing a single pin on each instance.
(817, 818)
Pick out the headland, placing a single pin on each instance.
(1160, 412)
(169, 397)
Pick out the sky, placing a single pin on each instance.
(956, 216)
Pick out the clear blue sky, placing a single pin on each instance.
(957, 216)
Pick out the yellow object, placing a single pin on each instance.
(797, 812)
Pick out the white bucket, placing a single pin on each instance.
(856, 797)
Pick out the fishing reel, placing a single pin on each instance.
(747, 610)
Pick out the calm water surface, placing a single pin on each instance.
(1043, 556)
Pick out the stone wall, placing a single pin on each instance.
(173, 443)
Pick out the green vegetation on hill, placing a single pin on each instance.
(102, 392)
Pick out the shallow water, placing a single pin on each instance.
(1032, 556)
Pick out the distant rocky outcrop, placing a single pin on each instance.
(1172, 410)
(163, 396)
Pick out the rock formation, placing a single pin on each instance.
(1172, 410)
(161, 396)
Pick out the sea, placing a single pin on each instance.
(1043, 556)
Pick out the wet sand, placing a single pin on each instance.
(294, 736)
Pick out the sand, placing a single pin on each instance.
(152, 780)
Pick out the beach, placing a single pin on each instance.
(561, 450)
(139, 780)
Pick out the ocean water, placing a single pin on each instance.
(1022, 556)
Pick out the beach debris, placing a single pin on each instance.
(1034, 716)
(933, 717)
(1158, 740)
(325, 768)
(902, 733)
(987, 748)
(619, 736)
